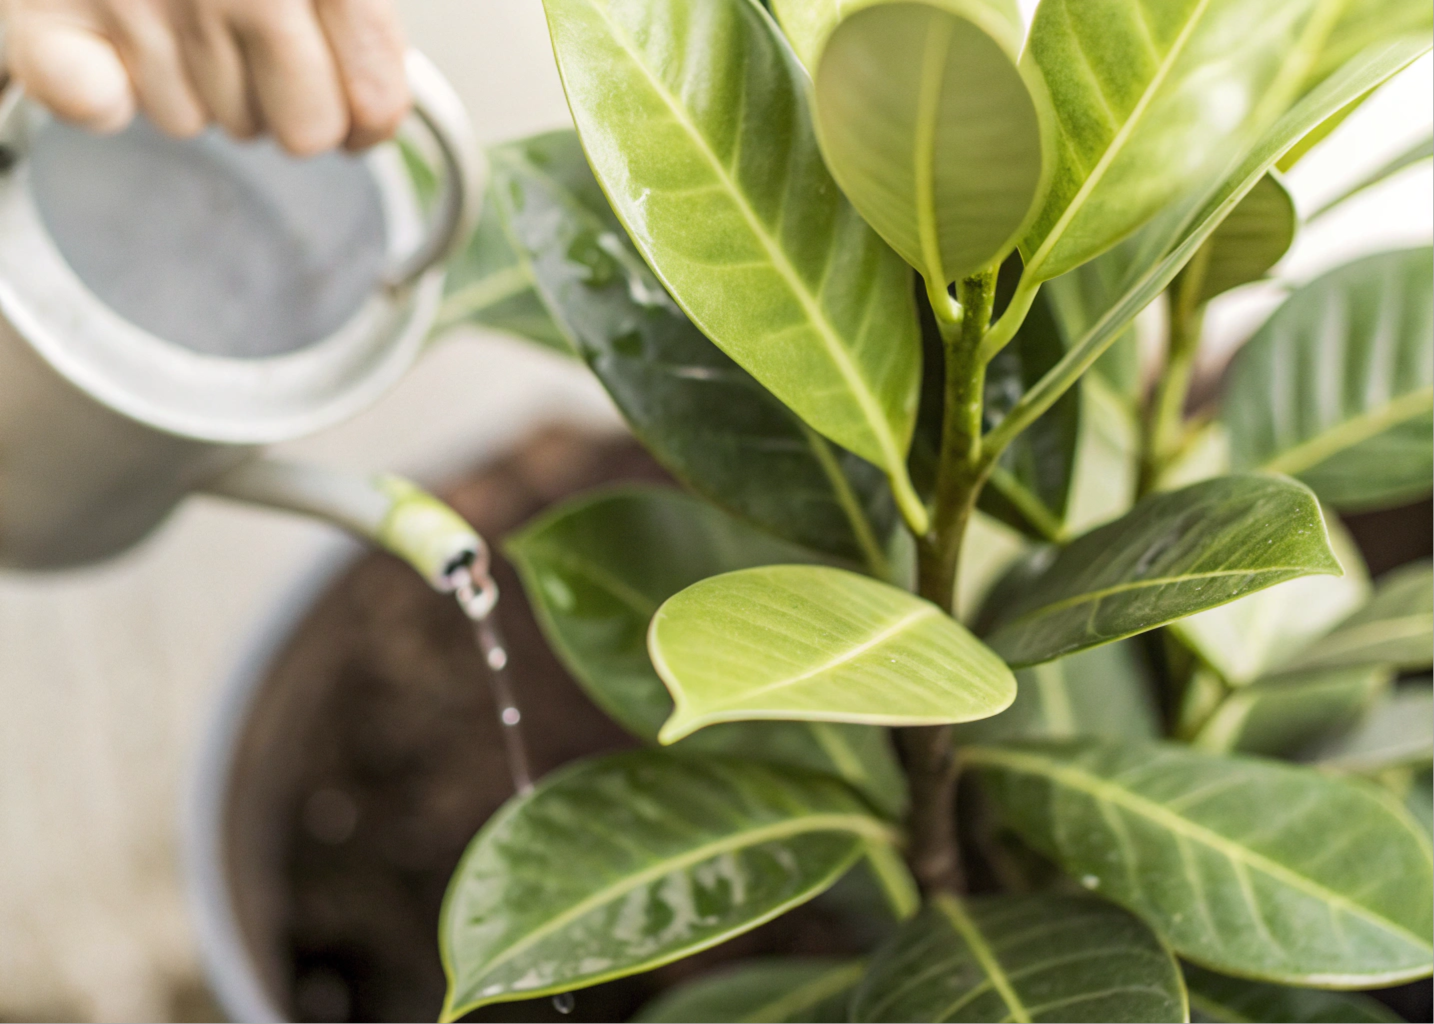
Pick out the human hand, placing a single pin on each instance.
(313, 73)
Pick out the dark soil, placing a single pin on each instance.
(375, 749)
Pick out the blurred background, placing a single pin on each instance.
(107, 674)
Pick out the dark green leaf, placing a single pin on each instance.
(1150, 97)
(1250, 240)
(693, 114)
(703, 416)
(1221, 1000)
(812, 643)
(1395, 628)
(1337, 388)
(1174, 554)
(1021, 958)
(619, 865)
(489, 285)
(932, 129)
(1099, 692)
(796, 989)
(1244, 866)
(1035, 472)
(1398, 733)
(596, 569)
(1286, 713)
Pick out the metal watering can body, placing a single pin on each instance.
(169, 306)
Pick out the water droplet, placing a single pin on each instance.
(1090, 881)
(564, 1002)
(512, 716)
(497, 659)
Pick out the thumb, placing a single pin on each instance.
(73, 71)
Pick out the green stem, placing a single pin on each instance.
(930, 761)
(894, 878)
(1004, 329)
(1163, 429)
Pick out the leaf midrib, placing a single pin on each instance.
(1158, 581)
(871, 409)
(596, 574)
(804, 996)
(856, 824)
(1108, 792)
(1121, 137)
(1368, 634)
(951, 909)
(1351, 432)
(923, 145)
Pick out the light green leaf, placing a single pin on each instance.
(1158, 252)
(932, 129)
(1264, 632)
(1221, 1000)
(1364, 24)
(1150, 98)
(488, 285)
(1245, 866)
(1251, 240)
(818, 644)
(1286, 713)
(795, 989)
(693, 115)
(1174, 554)
(619, 865)
(1099, 692)
(1107, 453)
(1395, 628)
(1421, 150)
(1398, 733)
(1079, 297)
(1030, 958)
(705, 418)
(1337, 388)
(597, 568)
(1419, 801)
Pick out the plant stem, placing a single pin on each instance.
(1163, 429)
(930, 758)
(1004, 329)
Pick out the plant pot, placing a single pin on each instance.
(354, 752)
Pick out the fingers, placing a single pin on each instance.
(72, 69)
(147, 43)
(216, 67)
(295, 77)
(368, 48)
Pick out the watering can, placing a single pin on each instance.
(168, 307)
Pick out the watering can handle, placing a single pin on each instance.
(438, 108)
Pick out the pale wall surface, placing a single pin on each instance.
(106, 674)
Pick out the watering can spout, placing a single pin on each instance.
(388, 511)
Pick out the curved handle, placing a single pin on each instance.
(440, 111)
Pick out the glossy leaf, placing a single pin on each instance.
(1287, 713)
(1337, 388)
(1174, 554)
(1040, 957)
(818, 644)
(596, 569)
(1223, 1000)
(1397, 733)
(1150, 97)
(932, 129)
(1150, 259)
(1264, 632)
(705, 418)
(1420, 151)
(1258, 232)
(795, 989)
(1395, 628)
(1368, 23)
(489, 285)
(1031, 484)
(1244, 866)
(1099, 692)
(693, 115)
(618, 865)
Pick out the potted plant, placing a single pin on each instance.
(1080, 673)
